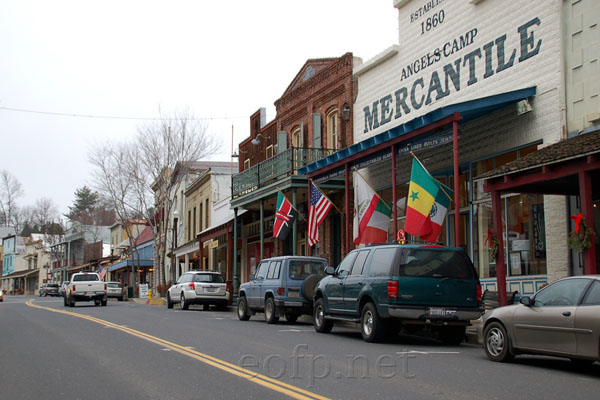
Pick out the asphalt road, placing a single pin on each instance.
(135, 351)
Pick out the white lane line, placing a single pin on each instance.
(295, 330)
(426, 352)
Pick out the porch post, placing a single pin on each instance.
(201, 261)
(394, 195)
(456, 184)
(236, 276)
(186, 265)
(585, 196)
(262, 229)
(347, 201)
(294, 226)
(500, 263)
(229, 258)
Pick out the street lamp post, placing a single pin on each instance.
(174, 245)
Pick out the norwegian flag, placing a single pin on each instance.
(319, 206)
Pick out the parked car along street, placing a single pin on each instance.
(199, 287)
(281, 286)
(115, 290)
(62, 288)
(561, 319)
(49, 289)
(389, 287)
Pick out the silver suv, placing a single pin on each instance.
(199, 287)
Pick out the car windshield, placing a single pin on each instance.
(434, 263)
(114, 285)
(210, 278)
(300, 270)
(85, 277)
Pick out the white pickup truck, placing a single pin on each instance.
(85, 286)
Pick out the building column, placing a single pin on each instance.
(456, 185)
(500, 263)
(587, 208)
(186, 266)
(236, 272)
(295, 226)
(262, 229)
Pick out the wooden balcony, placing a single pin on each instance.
(278, 167)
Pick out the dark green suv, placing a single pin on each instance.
(388, 287)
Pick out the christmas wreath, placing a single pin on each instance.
(581, 238)
(491, 236)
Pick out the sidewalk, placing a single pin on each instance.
(160, 301)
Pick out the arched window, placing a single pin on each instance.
(332, 129)
(297, 139)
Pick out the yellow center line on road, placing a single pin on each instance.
(263, 380)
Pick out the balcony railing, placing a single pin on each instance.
(282, 165)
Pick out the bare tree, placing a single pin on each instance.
(10, 191)
(116, 183)
(165, 151)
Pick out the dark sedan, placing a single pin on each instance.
(49, 289)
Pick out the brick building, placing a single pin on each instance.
(313, 120)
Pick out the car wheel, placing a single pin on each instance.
(97, 302)
(496, 343)
(291, 318)
(206, 307)
(242, 309)
(65, 301)
(169, 302)
(321, 324)
(452, 335)
(104, 302)
(183, 304)
(120, 298)
(71, 302)
(270, 311)
(371, 325)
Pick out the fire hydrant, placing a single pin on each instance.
(150, 294)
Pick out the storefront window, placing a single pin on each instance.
(463, 185)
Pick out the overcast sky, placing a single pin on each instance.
(120, 60)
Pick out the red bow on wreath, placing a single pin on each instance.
(489, 236)
(577, 220)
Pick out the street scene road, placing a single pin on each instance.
(136, 351)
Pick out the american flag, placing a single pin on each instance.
(101, 273)
(319, 206)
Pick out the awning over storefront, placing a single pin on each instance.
(129, 263)
(21, 274)
(468, 110)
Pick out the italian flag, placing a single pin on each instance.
(422, 192)
(433, 224)
(372, 217)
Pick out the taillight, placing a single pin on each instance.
(280, 291)
(74, 288)
(105, 286)
(227, 288)
(392, 290)
(478, 297)
(191, 286)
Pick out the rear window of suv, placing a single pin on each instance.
(300, 270)
(209, 278)
(85, 278)
(432, 263)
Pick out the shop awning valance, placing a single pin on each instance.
(129, 263)
(21, 274)
(468, 110)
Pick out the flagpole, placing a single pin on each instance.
(332, 203)
(292, 205)
(374, 191)
(441, 184)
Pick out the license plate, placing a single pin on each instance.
(210, 290)
(437, 311)
(293, 294)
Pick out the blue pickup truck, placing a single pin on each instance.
(281, 286)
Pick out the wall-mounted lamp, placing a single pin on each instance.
(236, 155)
(346, 112)
(256, 140)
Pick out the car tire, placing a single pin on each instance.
(104, 302)
(321, 324)
(291, 318)
(71, 302)
(309, 286)
(183, 304)
(270, 311)
(496, 343)
(242, 309)
(372, 327)
(96, 302)
(120, 298)
(452, 335)
(169, 302)
(65, 301)
(206, 307)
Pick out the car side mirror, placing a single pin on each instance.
(526, 301)
(251, 277)
(329, 271)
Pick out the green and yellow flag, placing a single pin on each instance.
(422, 192)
